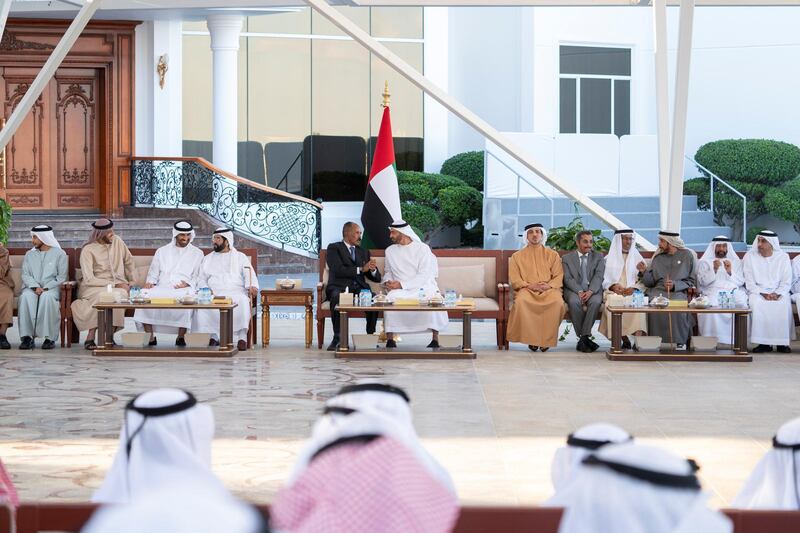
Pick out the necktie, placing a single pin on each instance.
(353, 253)
(584, 278)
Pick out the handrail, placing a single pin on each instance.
(210, 166)
(520, 177)
(274, 217)
(711, 176)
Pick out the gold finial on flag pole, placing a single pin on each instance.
(386, 95)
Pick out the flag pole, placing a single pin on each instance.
(387, 96)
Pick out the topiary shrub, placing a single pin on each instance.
(467, 166)
(751, 160)
(784, 202)
(423, 219)
(415, 192)
(459, 205)
(433, 202)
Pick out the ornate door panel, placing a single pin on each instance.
(53, 158)
(76, 142)
(27, 154)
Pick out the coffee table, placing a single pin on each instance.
(738, 354)
(105, 332)
(465, 352)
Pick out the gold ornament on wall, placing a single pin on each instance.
(161, 68)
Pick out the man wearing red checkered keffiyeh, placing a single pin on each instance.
(360, 473)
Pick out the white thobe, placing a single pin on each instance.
(771, 322)
(217, 274)
(796, 283)
(711, 283)
(171, 266)
(415, 267)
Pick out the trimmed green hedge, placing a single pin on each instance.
(467, 166)
(460, 204)
(759, 161)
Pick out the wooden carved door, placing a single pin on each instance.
(53, 158)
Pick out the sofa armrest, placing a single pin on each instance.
(505, 293)
(320, 293)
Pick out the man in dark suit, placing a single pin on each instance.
(583, 288)
(349, 266)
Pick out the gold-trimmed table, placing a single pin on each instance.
(105, 332)
(739, 352)
(465, 352)
(287, 298)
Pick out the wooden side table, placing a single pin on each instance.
(286, 298)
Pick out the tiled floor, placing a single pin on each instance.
(493, 422)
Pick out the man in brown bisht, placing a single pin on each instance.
(105, 263)
(6, 297)
(536, 276)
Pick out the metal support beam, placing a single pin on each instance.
(48, 70)
(461, 111)
(5, 7)
(682, 71)
(662, 105)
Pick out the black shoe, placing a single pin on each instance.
(762, 348)
(334, 345)
(48, 344)
(434, 344)
(213, 342)
(153, 342)
(180, 341)
(544, 348)
(593, 345)
(626, 344)
(27, 343)
(4, 344)
(581, 346)
(784, 349)
(533, 348)
(391, 344)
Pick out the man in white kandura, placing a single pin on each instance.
(44, 269)
(796, 283)
(173, 273)
(410, 270)
(720, 270)
(227, 272)
(768, 278)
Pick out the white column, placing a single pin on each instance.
(167, 106)
(675, 204)
(662, 105)
(436, 68)
(225, 30)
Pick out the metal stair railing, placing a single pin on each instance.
(713, 177)
(268, 215)
(520, 179)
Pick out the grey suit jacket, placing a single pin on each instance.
(595, 269)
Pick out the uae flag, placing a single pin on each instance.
(382, 201)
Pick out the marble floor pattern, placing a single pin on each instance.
(494, 422)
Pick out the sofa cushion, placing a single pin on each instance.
(466, 280)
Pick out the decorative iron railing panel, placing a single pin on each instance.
(271, 218)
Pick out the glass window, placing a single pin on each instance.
(595, 90)
(595, 105)
(397, 22)
(322, 26)
(290, 21)
(309, 107)
(622, 107)
(595, 60)
(568, 111)
(196, 89)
